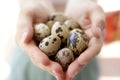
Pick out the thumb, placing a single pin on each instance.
(98, 21)
(24, 30)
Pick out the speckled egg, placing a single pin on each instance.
(71, 24)
(50, 45)
(58, 17)
(41, 31)
(61, 31)
(64, 57)
(50, 24)
(77, 41)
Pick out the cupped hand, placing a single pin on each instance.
(91, 17)
(31, 14)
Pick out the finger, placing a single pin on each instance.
(24, 28)
(84, 21)
(97, 17)
(73, 69)
(57, 71)
(24, 36)
(29, 16)
(84, 58)
(93, 49)
(41, 12)
(98, 33)
(35, 54)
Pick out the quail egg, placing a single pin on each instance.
(50, 45)
(41, 31)
(61, 31)
(50, 24)
(71, 24)
(58, 17)
(64, 57)
(77, 41)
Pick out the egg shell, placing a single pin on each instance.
(50, 45)
(41, 31)
(76, 42)
(61, 31)
(50, 24)
(64, 57)
(71, 24)
(80, 31)
(58, 17)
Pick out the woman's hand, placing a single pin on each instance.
(33, 12)
(92, 19)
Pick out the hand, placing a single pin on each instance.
(92, 19)
(31, 13)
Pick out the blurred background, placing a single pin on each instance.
(109, 57)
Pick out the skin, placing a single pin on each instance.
(92, 19)
(89, 15)
(29, 15)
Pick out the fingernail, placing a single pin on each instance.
(55, 74)
(24, 35)
(102, 26)
(57, 78)
(98, 32)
